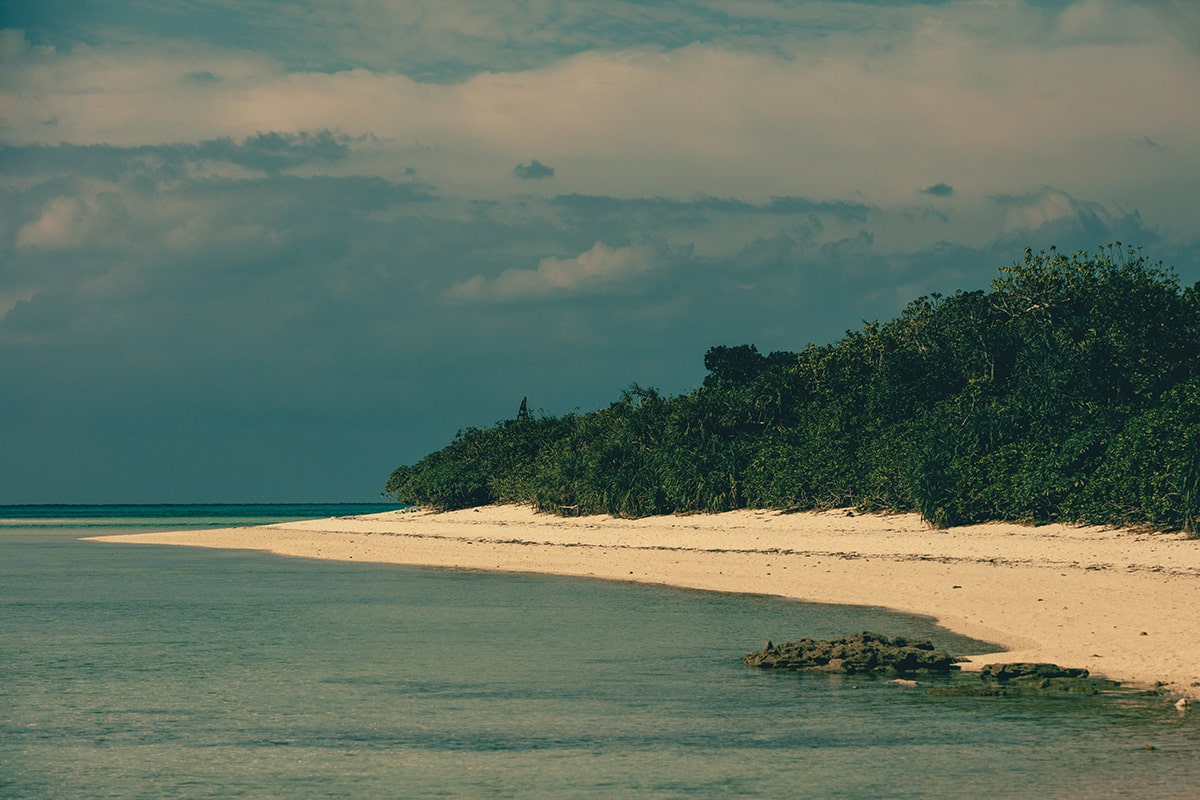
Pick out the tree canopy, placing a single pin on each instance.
(1067, 392)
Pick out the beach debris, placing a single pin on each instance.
(858, 653)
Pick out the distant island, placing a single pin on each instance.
(1067, 392)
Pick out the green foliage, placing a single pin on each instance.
(1070, 391)
(1150, 474)
(481, 466)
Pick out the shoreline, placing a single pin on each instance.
(1123, 604)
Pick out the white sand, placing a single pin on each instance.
(1123, 604)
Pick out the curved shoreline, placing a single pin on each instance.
(1122, 604)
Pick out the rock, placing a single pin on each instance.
(1021, 679)
(871, 653)
(1027, 670)
(860, 653)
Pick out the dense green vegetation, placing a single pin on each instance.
(1068, 392)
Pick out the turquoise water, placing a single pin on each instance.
(130, 671)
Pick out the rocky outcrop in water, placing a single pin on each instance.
(863, 653)
(1009, 680)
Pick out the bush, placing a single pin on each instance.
(1069, 391)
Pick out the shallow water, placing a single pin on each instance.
(145, 671)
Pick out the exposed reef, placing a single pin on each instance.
(1021, 679)
(873, 654)
(862, 653)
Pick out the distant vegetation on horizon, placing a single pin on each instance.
(1068, 392)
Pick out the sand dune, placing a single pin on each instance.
(1123, 604)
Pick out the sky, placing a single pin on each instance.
(269, 250)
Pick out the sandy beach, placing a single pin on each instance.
(1122, 604)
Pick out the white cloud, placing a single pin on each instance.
(594, 268)
(10, 297)
(59, 227)
(14, 46)
(1030, 212)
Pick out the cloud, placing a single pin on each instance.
(445, 43)
(534, 170)
(1051, 216)
(701, 209)
(275, 151)
(1146, 143)
(921, 89)
(1181, 18)
(14, 46)
(98, 230)
(938, 190)
(9, 299)
(601, 265)
(1031, 211)
(58, 227)
(264, 153)
(202, 77)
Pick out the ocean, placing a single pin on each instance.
(142, 671)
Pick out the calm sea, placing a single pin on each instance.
(130, 671)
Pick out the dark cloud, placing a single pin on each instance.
(309, 36)
(505, 35)
(273, 152)
(767, 252)
(266, 152)
(200, 78)
(938, 190)
(1146, 143)
(534, 170)
(700, 210)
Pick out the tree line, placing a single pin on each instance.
(1067, 392)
